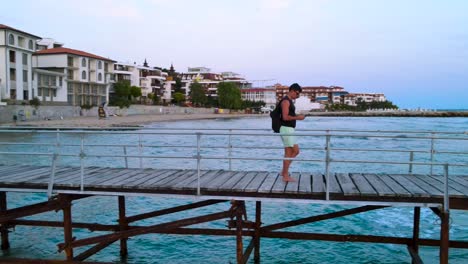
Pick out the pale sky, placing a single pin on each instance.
(414, 51)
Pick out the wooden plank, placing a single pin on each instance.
(362, 184)
(305, 183)
(182, 184)
(220, 180)
(379, 185)
(244, 182)
(414, 189)
(334, 186)
(227, 185)
(463, 180)
(153, 180)
(431, 190)
(183, 174)
(396, 187)
(318, 183)
(19, 174)
(121, 181)
(107, 176)
(6, 172)
(439, 185)
(279, 185)
(205, 179)
(256, 182)
(347, 185)
(24, 177)
(463, 190)
(138, 180)
(45, 178)
(293, 187)
(268, 183)
(89, 178)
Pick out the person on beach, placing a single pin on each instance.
(288, 123)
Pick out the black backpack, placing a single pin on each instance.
(276, 118)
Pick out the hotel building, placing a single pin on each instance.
(16, 73)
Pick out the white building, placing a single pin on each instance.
(16, 75)
(353, 98)
(83, 78)
(267, 95)
(149, 79)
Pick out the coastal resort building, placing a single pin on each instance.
(16, 72)
(353, 98)
(73, 76)
(151, 80)
(267, 95)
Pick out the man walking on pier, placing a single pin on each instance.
(288, 123)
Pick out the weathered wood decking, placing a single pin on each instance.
(242, 184)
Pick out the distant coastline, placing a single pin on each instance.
(438, 113)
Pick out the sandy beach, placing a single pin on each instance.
(123, 121)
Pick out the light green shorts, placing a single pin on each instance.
(288, 141)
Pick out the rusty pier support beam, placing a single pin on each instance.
(123, 225)
(444, 236)
(239, 245)
(258, 223)
(3, 227)
(67, 225)
(413, 248)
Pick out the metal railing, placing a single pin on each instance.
(57, 146)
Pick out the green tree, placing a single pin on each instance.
(122, 92)
(178, 86)
(229, 96)
(135, 92)
(179, 98)
(197, 94)
(154, 98)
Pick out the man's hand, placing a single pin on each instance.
(300, 117)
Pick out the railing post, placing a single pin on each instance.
(198, 162)
(327, 166)
(82, 156)
(50, 187)
(411, 158)
(432, 150)
(140, 151)
(446, 192)
(126, 159)
(230, 150)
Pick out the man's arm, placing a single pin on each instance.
(285, 112)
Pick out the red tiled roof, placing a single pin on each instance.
(71, 51)
(2, 26)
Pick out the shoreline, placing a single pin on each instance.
(121, 121)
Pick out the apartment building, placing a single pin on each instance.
(267, 95)
(83, 78)
(354, 98)
(16, 72)
(149, 79)
(320, 94)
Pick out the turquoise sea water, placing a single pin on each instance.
(34, 242)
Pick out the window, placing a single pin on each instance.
(60, 81)
(21, 42)
(106, 66)
(11, 39)
(25, 59)
(31, 45)
(25, 76)
(70, 74)
(39, 92)
(12, 74)
(99, 65)
(45, 80)
(70, 61)
(100, 77)
(83, 75)
(54, 91)
(83, 62)
(12, 56)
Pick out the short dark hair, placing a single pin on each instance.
(295, 87)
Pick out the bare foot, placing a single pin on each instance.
(288, 179)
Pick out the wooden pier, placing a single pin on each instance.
(367, 191)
